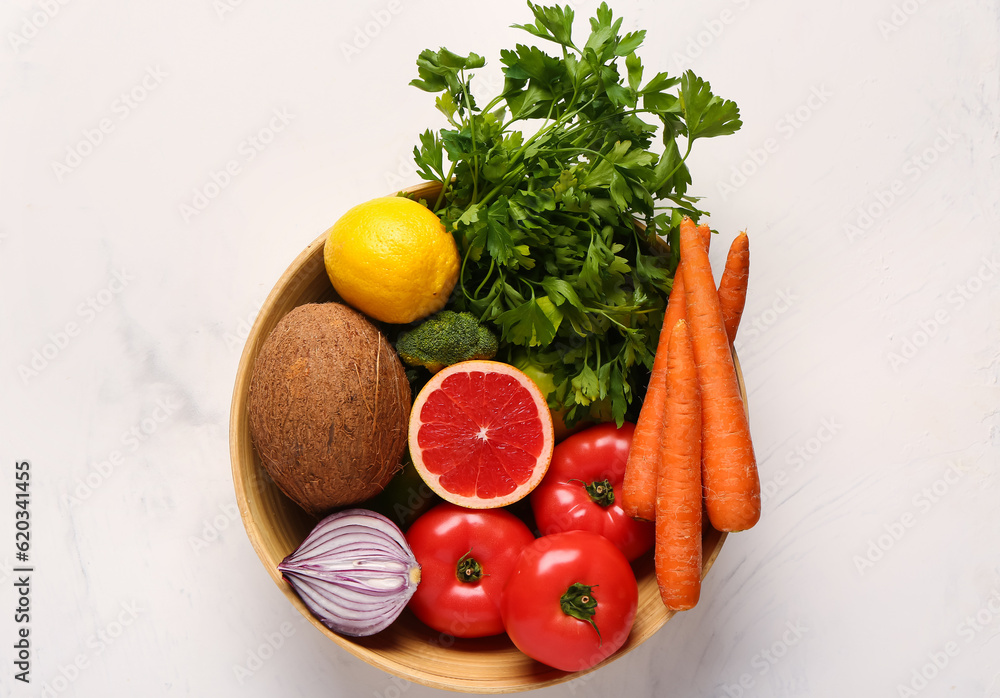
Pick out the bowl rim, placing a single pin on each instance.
(291, 281)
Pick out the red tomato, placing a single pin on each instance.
(465, 557)
(570, 601)
(583, 486)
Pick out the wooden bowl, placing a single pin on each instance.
(408, 648)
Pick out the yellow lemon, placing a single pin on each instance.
(392, 259)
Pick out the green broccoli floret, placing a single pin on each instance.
(444, 339)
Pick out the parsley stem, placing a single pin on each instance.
(461, 273)
(472, 130)
(445, 183)
(494, 102)
(683, 159)
(550, 128)
(485, 278)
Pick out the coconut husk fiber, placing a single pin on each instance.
(329, 407)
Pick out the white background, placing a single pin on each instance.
(868, 177)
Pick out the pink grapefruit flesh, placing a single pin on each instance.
(481, 434)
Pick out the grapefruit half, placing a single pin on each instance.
(481, 434)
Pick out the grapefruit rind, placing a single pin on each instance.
(544, 457)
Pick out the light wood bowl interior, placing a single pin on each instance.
(409, 649)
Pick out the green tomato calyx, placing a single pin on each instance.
(468, 568)
(601, 492)
(579, 602)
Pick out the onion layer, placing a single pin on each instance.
(354, 571)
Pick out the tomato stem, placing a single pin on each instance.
(579, 602)
(468, 568)
(601, 491)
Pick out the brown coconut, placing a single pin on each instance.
(329, 407)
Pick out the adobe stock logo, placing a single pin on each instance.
(798, 456)
(900, 15)
(765, 660)
(878, 203)
(58, 341)
(920, 505)
(249, 148)
(753, 328)
(369, 31)
(33, 23)
(224, 7)
(790, 123)
(935, 662)
(957, 297)
(255, 658)
(121, 108)
(701, 41)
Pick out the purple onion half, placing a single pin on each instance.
(355, 572)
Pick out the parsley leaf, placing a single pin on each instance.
(531, 324)
(705, 114)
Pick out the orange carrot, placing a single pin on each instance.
(639, 485)
(678, 554)
(731, 482)
(733, 286)
(706, 236)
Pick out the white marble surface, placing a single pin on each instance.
(872, 354)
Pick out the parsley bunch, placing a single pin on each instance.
(546, 223)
